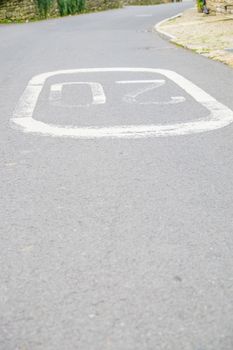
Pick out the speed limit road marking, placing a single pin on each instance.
(218, 116)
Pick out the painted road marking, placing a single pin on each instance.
(157, 82)
(153, 84)
(97, 90)
(219, 115)
(146, 15)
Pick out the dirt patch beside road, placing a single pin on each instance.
(209, 35)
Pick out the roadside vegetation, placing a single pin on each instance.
(66, 7)
(71, 7)
(12, 11)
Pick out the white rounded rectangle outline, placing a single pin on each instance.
(219, 115)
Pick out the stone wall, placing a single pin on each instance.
(21, 10)
(145, 2)
(220, 6)
(97, 5)
(17, 9)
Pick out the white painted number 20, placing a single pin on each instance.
(218, 116)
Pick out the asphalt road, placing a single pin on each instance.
(121, 242)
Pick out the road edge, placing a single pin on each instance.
(162, 32)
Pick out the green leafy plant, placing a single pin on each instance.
(200, 4)
(81, 5)
(44, 6)
(70, 7)
(62, 7)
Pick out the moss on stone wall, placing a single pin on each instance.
(17, 9)
(21, 10)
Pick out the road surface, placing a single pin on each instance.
(116, 187)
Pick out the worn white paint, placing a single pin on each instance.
(219, 115)
(172, 101)
(145, 15)
(97, 90)
(153, 84)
